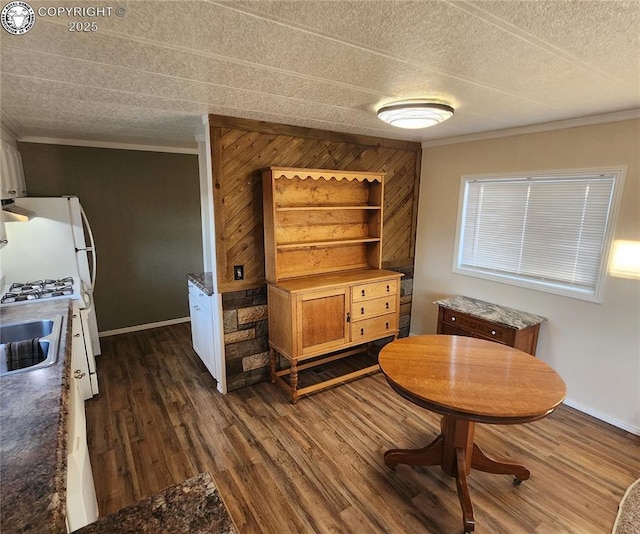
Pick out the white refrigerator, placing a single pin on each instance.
(56, 242)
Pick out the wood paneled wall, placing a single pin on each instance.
(240, 148)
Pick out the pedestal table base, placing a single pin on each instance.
(456, 453)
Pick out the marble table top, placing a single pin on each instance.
(491, 312)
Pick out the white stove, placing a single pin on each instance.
(37, 290)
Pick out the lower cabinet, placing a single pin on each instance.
(321, 321)
(314, 316)
(200, 311)
(82, 505)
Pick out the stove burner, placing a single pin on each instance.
(39, 289)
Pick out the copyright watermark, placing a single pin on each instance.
(19, 17)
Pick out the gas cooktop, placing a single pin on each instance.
(38, 290)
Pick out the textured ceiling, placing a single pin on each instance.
(149, 76)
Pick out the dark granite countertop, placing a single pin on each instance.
(202, 280)
(33, 433)
(492, 312)
(191, 507)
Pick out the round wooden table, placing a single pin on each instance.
(468, 381)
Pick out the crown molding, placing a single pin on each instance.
(537, 128)
(107, 144)
(9, 126)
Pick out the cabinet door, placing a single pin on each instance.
(11, 172)
(321, 320)
(206, 337)
(82, 505)
(196, 328)
(200, 309)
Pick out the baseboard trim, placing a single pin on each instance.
(603, 417)
(146, 326)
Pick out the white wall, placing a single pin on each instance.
(594, 347)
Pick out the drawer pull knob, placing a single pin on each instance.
(493, 332)
(386, 325)
(388, 289)
(362, 331)
(453, 319)
(76, 335)
(387, 305)
(363, 293)
(362, 311)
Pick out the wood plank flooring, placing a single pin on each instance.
(317, 466)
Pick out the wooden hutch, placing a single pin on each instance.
(328, 298)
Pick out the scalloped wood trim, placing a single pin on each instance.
(325, 174)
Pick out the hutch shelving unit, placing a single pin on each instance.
(328, 297)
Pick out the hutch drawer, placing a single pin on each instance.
(374, 290)
(374, 328)
(365, 309)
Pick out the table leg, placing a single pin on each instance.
(482, 462)
(429, 455)
(272, 364)
(468, 522)
(293, 380)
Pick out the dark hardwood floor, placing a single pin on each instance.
(317, 466)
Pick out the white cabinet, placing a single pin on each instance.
(12, 182)
(82, 505)
(200, 310)
(83, 368)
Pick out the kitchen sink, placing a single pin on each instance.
(22, 331)
(29, 345)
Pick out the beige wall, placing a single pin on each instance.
(144, 209)
(594, 347)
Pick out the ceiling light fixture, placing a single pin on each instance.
(414, 115)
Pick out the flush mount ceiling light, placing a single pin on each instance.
(414, 115)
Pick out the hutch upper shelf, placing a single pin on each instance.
(319, 221)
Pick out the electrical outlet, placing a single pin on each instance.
(238, 272)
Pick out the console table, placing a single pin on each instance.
(465, 316)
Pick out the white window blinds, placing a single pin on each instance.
(548, 232)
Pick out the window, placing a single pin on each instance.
(546, 231)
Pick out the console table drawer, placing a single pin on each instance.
(474, 325)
